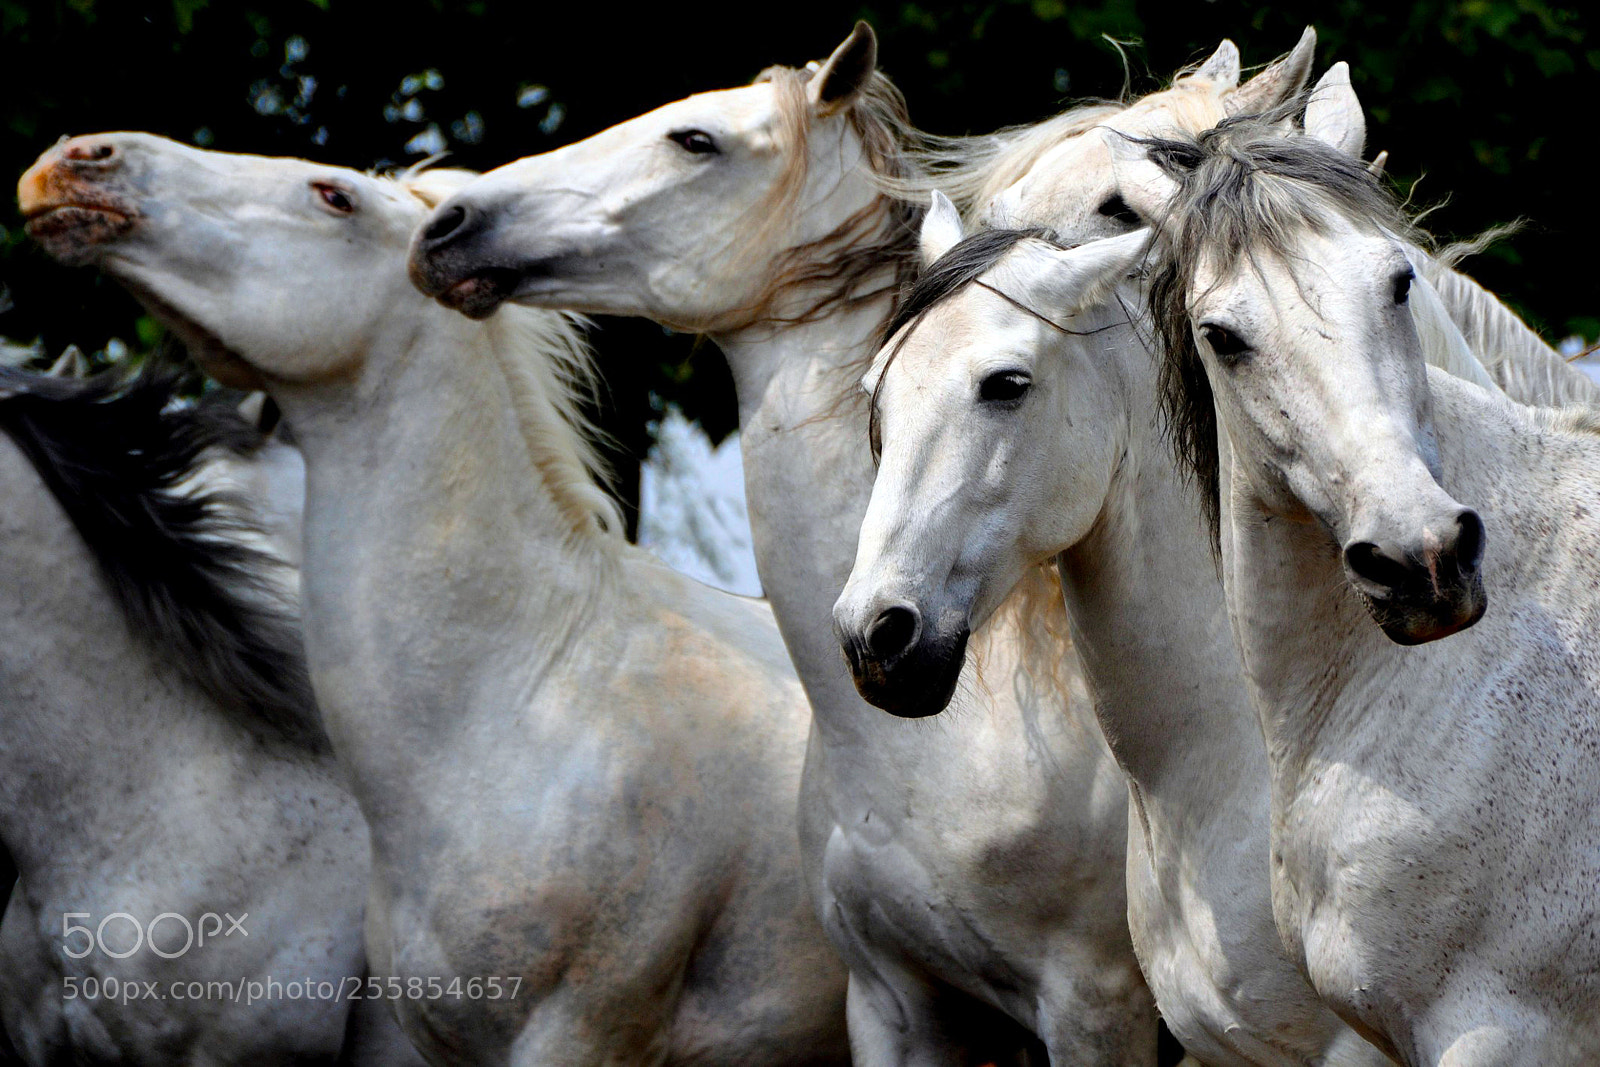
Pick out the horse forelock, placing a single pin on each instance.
(961, 265)
(550, 373)
(184, 563)
(1245, 190)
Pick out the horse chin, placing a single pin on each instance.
(74, 234)
(480, 295)
(917, 684)
(1420, 618)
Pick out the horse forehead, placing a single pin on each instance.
(738, 110)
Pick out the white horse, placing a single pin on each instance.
(1435, 832)
(1058, 175)
(968, 867)
(162, 772)
(579, 767)
(1014, 408)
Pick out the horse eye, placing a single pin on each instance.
(1402, 286)
(335, 197)
(1223, 341)
(1004, 387)
(695, 142)
(1118, 209)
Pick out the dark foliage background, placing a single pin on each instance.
(1492, 99)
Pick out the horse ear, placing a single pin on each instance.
(1223, 66)
(1084, 275)
(1277, 83)
(1333, 114)
(941, 229)
(844, 74)
(1141, 183)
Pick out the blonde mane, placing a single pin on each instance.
(842, 267)
(973, 170)
(550, 372)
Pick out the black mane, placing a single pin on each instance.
(113, 451)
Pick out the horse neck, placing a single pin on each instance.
(95, 721)
(1149, 621)
(1319, 668)
(429, 529)
(1518, 360)
(808, 477)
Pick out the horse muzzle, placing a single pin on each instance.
(70, 199)
(899, 664)
(1424, 591)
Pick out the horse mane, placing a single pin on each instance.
(120, 454)
(973, 170)
(881, 236)
(1517, 358)
(549, 369)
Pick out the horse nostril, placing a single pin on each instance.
(892, 632)
(1469, 541)
(90, 151)
(1372, 563)
(445, 223)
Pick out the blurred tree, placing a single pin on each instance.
(1479, 95)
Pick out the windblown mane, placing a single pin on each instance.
(550, 371)
(881, 236)
(119, 455)
(973, 170)
(1244, 190)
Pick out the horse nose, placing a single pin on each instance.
(893, 632)
(93, 151)
(450, 223)
(1438, 561)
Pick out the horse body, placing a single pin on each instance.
(130, 790)
(1434, 831)
(967, 867)
(974, 486)
(1429, 902)
(578, 767)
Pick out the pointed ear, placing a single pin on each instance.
(1143, 185)
(1223, 66)
(941, 229)
(1060, 282)
(843, 75)
(1333, 113)
(1277, 83)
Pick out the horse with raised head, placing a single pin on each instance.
(968, 867)
(578, 766)
(163, 764)
(1435, 836)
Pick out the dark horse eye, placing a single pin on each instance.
(695, 142)
(1402, 286)
(335, 197)
(1118, 209)
(1004, 387)
(1224, 342)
